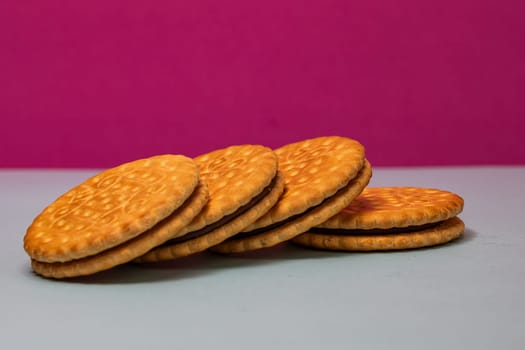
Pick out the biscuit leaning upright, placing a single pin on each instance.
(390, 218)
(244, 183)
(322, 176)
(115, 216)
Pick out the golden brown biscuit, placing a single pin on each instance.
(170, 227)
(387, 207)
(244, 184)
(112, 208)
(321, 177)
(390, 218)
(441, 233)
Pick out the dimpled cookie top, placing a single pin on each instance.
(388, 207)
(234, 176)
(111, 208)
(313, 170)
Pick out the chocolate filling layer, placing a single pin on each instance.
(376, 231)
(284, 222)
(225, 219)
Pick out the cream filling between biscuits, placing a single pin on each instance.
(225, 219)
(286, 221)
(375, 231)
(257, 231)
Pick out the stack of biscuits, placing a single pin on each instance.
(238, 199)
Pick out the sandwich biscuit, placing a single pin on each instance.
(321, 176)
(244, 183)
(115, 216)
(390, 218)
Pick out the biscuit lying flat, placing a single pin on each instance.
(322, 176)
(115, 216)
(244, 184)
(389, 219)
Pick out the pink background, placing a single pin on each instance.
(96, 83)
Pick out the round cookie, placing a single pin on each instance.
(390, 218)
(387, 207)
(170, 227)
(322, 176)
(244, 184)
(112, 208)
(444, 232)
(313, 170)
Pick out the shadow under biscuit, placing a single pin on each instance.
(130, 273)
(206, 263)
(198, 265)
(281, 252)
(467, 236)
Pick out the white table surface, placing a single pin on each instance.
(469, 294)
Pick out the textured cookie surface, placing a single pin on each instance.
(387, 207)
(166, 229)
(443, 232)
(234, 175)
(300, 223)
(313, 170)
(218, 235)
(111, 208)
